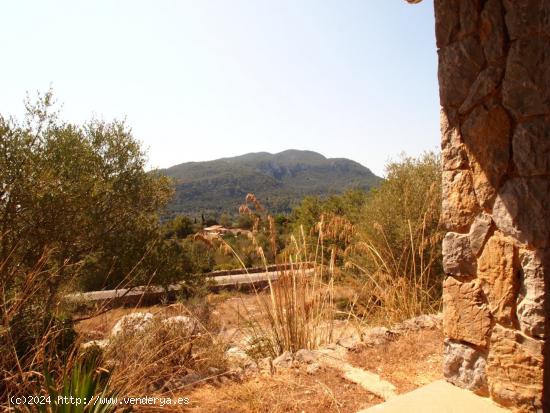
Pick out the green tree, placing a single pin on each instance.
(80, 192)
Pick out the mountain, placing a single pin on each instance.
(278, 180)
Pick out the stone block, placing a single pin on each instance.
(453, 153)
(459, 65)
(479, 231)
(465, 314)
(530, 302)
(527, 17)
(486, 136)
(464, 366)
(458, 258)
(526, 85)
(496, 269)
(492, 32)
(515, 370)
(531, 147)
(485, 84)
(521, 210)
(459, 206)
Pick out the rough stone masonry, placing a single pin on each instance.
(494, 79)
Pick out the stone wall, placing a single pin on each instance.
(494, 77)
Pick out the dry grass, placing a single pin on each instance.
(165, 358)
(393, 286)
(296, 312)
(288, 391)
(412, 360)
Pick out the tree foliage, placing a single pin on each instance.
(80, 192)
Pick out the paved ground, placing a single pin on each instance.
(437, 397)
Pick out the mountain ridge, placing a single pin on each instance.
(279, 181)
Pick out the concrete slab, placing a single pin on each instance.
(437, 397)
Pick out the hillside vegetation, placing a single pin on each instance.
(281, 180)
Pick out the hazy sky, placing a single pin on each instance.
(204, 79)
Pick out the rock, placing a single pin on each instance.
(453, 153)
(238, 357)
(266, 365)
(447, 23)
(191, 378)
(313, 368)
(486, 136)
(522, 209)
(492, 33)
(305, 356)
(485, 84)
(525, 17)
(182, 323)
(531, 147)
(132, 323)
(458, 258)
(530, 301)
(464, 366)
(497, 272)
(376, 336)
(459, 205)
(526, 86)
(348, 342)
(515, 369)
(423, 321)
(465, 315)
(479, 231)
(284, 360)
(469, 16)
(459, 65)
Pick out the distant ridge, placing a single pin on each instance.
(279, 181)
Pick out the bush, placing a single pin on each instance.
(397, 250)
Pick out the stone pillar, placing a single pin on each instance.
(494, 78)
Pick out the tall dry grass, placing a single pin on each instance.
(296, 310)
(395, 285)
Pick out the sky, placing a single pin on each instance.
(203, 79)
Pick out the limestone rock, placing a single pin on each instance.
(465, 315)
(531, 144)
(376, 336)
(486, 135)
(497, 272)
(238, 357)
(522, 209)
(459, 65)
(453, 153)
(526, 86)
(492, 31)
(479, 231)
(530, 302)
(485, 84)
(459, 206)
(313, 368)
(458, 258)
(284, 360)
(525, 17)
(182, 323)
(305, 356)
(515, 369)
(464, 366)
(132, 323)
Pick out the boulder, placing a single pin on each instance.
(132, 323)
